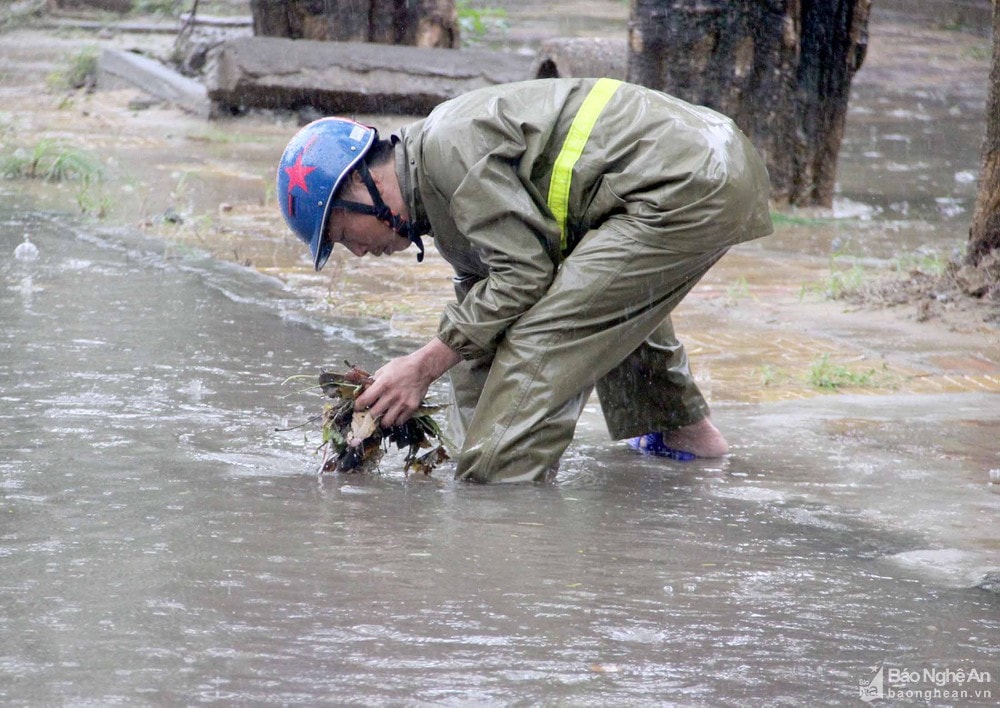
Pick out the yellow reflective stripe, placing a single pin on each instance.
(572, 148)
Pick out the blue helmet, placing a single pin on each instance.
(314, 165)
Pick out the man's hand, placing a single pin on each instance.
(401, 385)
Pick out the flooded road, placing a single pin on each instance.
(161, 544)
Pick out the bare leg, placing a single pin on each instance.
(701, 439)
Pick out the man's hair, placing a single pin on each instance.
(379, 152)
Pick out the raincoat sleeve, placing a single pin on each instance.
(497, 211)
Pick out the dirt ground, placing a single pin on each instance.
(208, 185)
(944, 298)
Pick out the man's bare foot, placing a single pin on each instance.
(701, 439)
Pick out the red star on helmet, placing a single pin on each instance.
(297, 173)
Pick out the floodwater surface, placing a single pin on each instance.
(161, 544)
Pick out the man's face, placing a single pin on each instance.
(362, 234)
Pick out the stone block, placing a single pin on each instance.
(348, 77)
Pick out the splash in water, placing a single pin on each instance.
(26, 251)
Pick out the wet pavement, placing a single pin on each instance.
(160, 544)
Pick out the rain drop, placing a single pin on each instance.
(26, 251)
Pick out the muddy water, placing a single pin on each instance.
(161, 544)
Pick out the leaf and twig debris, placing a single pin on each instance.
(353, 441)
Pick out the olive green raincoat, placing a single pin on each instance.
(576, 213)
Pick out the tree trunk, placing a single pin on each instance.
(984, 236)
(782, 69)
(421, 23)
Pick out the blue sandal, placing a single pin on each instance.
(652, 444)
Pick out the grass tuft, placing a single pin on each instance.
(828, 375)
(51, 161)
(77, 72)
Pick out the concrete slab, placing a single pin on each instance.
(116, 68)
(348, 77)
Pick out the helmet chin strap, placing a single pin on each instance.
(382, 212)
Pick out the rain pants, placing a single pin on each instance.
(577, 213)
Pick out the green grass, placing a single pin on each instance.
(475, 22)
(831, 376)
(848, 278)
(737, 291)
(783, 219)
(979, 53)
(844, 282)
(14, 14)
(769, 376)
(840, 283)
(92, 200)
(77, 71)
(931, 263)
(51, 161)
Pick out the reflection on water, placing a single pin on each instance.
(160, 544)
